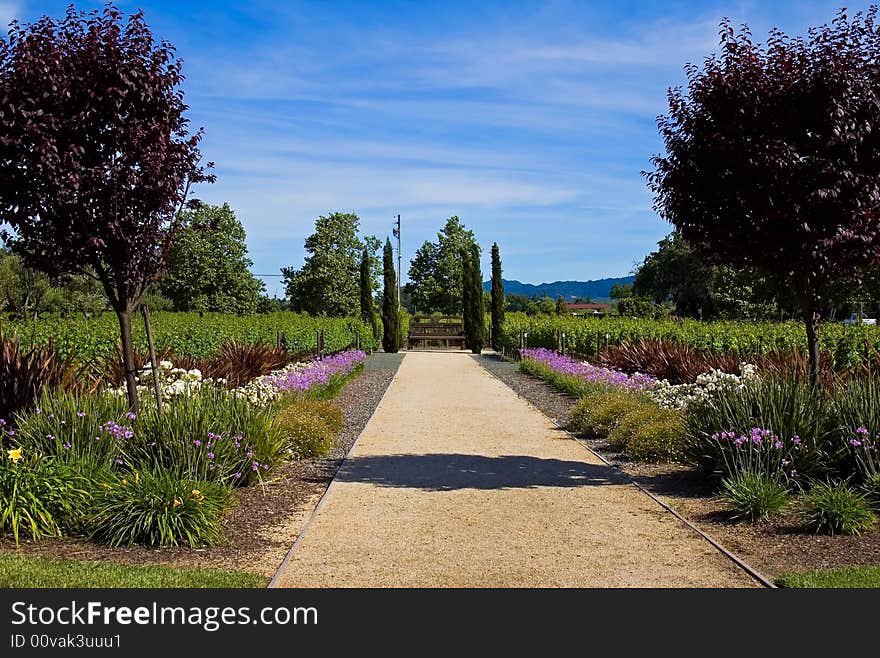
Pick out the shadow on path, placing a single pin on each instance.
(449, 472)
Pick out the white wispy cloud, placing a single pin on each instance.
(8, 12)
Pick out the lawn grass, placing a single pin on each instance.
(841, 577)
(27, 571)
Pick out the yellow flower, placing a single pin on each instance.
(124, 482)
(197, 495)
(14, 454)
(137, 477)
(177, 503)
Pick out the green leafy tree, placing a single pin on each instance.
(621, 291)
(497, 303)
(208, 265)
(436, 273)
(328, 281)
(561, 306)
(390, 310)
(639, 307)
(674, 273)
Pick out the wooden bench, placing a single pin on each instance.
(425, 330)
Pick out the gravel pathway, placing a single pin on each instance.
(458, 482)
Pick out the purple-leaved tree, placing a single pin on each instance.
(96, 158)
(773, 157)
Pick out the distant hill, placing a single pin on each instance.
(598, 290)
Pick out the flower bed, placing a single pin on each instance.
(302, 377)
(564, 365)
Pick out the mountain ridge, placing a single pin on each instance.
(597, 289)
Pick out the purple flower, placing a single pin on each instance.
(2, 422)
(238, 476)
(587, 371)
(120, 460)
(796, 440)
(81, 414)
(210, 455)
(861, 430)
(256, 466)
(131, 415)
(66, 446)
(51, 437)
(318, 372)
(197, 443)
(778, 444)
(785, 462)
(793, 473)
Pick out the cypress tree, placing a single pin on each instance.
(477, 324)
(366, 289)
(390, 313)
(466, 294)
(497, 298)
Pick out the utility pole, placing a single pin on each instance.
(396, 232)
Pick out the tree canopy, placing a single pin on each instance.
(208, 267)
(96, 156)
(773, 156)
(435, 272)
(328, 283)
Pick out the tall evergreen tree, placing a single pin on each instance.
(390, 311)
(497, 298)
(476, 330)
(466, 292)
(366, 288)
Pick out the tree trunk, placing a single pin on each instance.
(128, 357)
(811, 320)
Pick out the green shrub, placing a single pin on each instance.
(833, 508)
(753, 496)
(871, 488)
(209, 435)
(310, 427)
(788, 408)
(658, 440)
(76, 429)
(598, 413)
(39, 496)
(159, 508)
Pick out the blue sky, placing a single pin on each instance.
(529, 120)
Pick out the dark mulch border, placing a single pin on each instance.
(774, 546)
(266, 519)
